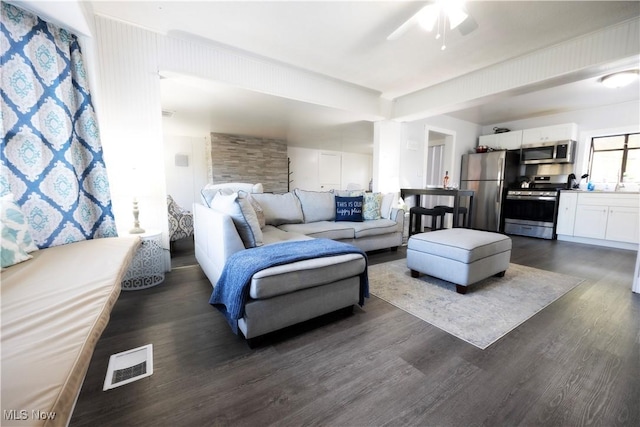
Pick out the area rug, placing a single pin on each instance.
(488, 311)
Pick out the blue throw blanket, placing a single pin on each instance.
(232, 290)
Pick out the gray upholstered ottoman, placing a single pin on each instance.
(459, 255)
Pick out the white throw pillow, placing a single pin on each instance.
(280, 208)
(209, 191)
(258, 209)
(386, 205)
(244, 217)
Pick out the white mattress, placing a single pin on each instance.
(54, 309)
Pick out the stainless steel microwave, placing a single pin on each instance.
(548, 152)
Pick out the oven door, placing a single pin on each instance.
(533, 217)
(530, 209)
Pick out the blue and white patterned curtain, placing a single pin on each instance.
(51, 157)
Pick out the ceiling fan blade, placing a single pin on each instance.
(468, 25)
(465, 27)
(404, 27)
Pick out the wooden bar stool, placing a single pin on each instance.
(417, 212)
(461, 211)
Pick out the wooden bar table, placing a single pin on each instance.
(452, 192)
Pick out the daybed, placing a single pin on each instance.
(55, 306)
(287, 294)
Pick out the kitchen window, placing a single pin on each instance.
(615, 159)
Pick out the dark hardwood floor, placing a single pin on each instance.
(576, 363)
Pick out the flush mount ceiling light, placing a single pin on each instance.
(443, 13)
(620, 79)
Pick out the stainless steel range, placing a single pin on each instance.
(534, 211)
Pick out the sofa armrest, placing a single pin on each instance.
(397, 215)
(216, 239)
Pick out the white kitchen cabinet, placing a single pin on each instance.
(591, 221)
(566, 212)
(622, 224)
(550, 133)
(502, 141)
(603, 218)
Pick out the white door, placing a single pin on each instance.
(330, 166)
(435, 168)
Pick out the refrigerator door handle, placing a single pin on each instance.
(499, 204)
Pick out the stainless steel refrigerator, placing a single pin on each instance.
(489, 175)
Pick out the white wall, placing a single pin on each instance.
(184, 182)
(412, 167)
(387, 139)
(412, 151)
(129, 112)
(357, 169)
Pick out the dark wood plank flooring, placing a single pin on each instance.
(576, 363)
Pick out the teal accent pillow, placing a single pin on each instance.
(349, 209)
(16, 237)
(372, 206)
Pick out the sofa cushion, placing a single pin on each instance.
(287, 278)
(271, 235)
(372, 205)
(244, 217)
(316, 205)
(375, 227)
(349, 208)
(280, 208)
(327, 229)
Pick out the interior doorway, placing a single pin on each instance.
(435, 164)
(439, 149)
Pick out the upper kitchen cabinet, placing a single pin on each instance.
(502, 141)
(550, 133)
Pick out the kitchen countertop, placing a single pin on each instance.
(601, 191)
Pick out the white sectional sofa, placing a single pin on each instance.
(313, 214)
(284, 295)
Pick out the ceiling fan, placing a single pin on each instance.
(439, 14)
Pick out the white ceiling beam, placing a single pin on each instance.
(192, 55)
(565, 62)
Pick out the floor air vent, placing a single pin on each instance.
(129, 366)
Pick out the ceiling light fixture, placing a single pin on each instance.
(440, 12)
(620, 79)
